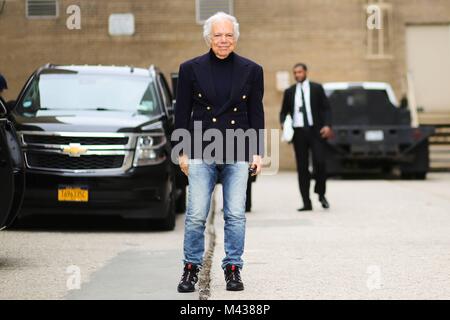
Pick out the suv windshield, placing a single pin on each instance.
(359, 106)
(70, 90)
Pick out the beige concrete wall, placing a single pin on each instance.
(329, 35)
(428, 61)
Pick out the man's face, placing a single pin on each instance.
(300, 74)
(222, 38)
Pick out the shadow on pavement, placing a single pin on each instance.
(370, 176)
(84, 223)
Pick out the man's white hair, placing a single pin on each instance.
(219, 16)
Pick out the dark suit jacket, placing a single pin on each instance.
(196, 98)
(320, 106)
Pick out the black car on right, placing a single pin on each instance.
(373, 133)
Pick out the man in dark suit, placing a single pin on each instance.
(222, 92)
(309, 108)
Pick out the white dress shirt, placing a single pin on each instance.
(298, 120)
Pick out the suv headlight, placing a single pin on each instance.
(150, 149)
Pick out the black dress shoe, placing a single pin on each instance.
(324, 202)
(233, 278)
(307, 207)
(189, 278)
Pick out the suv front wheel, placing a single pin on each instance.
(168, 223)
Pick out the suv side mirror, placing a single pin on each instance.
(3, 110)
(10, 105)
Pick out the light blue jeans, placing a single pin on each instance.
(202, 180)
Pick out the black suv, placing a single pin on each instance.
(96, 141)
(12, 176)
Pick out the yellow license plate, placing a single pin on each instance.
(73, 194)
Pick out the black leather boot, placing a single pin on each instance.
(233, 278)
(189, 278)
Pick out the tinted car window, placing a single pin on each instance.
(79, 91)
(362, 107)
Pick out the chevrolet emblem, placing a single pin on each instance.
(74, 150)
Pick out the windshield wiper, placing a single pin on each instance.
(87, 109)
(104, 109)
(45, 109)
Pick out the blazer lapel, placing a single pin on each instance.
(292, 94)
(312, 98)
(203, 72)
(241, 72)
(240, 75)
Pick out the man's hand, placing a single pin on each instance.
(326, 132)
(257, 164)
(183, 161)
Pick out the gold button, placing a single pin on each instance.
(235, 109)
(199, 95)
(233, 122)
(208, 108)
(214, 119)
(244, 97)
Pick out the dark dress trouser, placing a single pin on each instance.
(306, 140)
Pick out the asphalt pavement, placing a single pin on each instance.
(381, 239)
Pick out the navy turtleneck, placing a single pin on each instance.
(222, 72)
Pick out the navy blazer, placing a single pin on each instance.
(196, 98)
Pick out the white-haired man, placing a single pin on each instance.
(223, 91)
